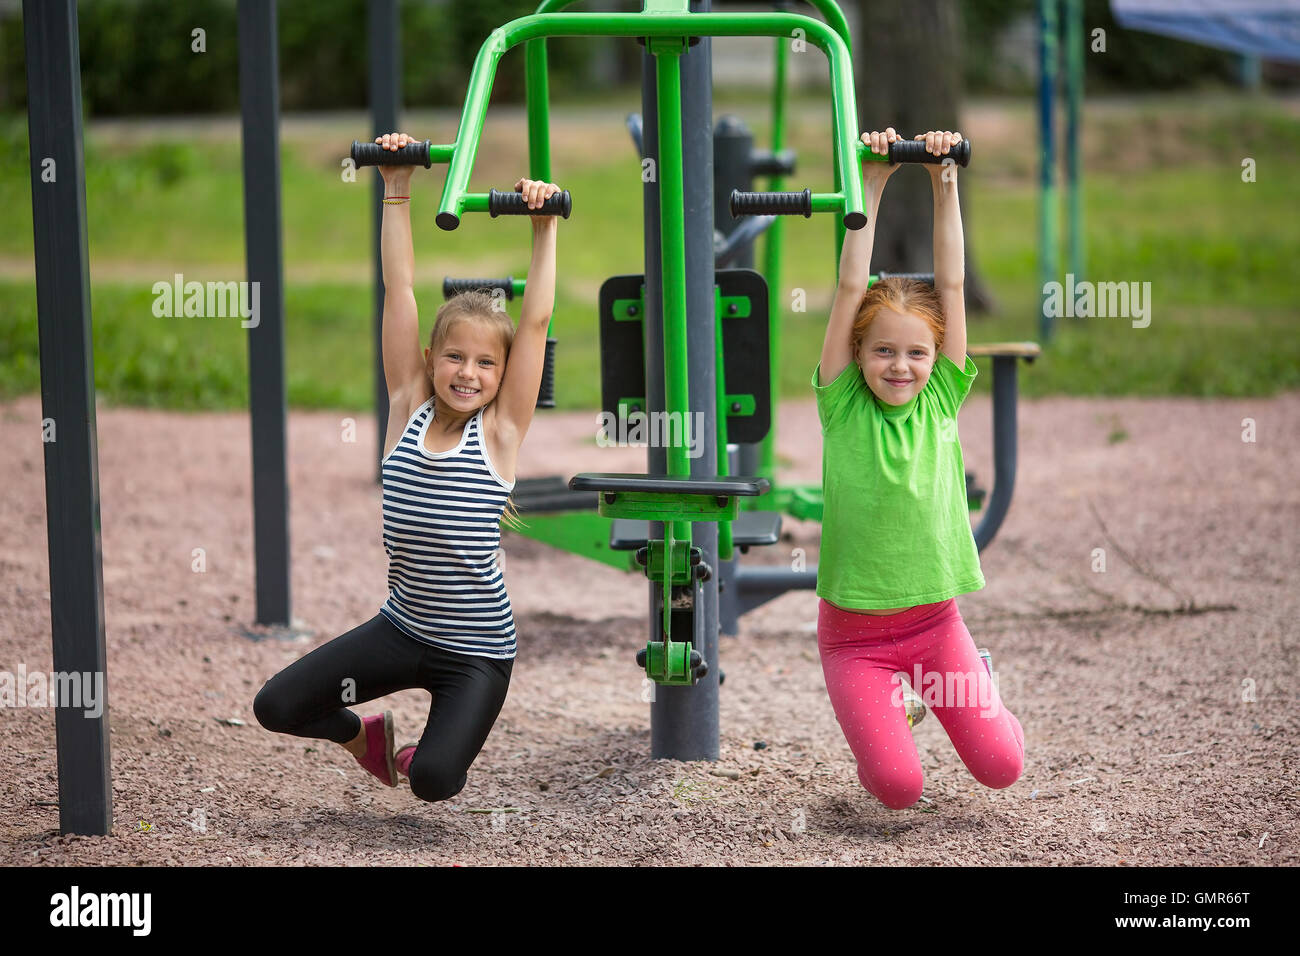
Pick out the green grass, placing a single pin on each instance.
(1170, 210)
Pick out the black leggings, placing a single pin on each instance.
(376, 659)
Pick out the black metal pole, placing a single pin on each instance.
(259, 107)
(68, 407)
(758, 584)
(385, 103)
(684, 720)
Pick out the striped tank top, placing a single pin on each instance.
(442, 531)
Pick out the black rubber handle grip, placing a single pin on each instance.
(514, 204)
(372, 154)
(926, 277)
(452, 287)
(546, 393)
(913, 151)
(771, 204)
(763, 162)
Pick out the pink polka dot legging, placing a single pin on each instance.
(862, 653)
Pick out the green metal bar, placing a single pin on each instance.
(1074, 134)
(539, 121)
(672, 219)
(537, 26)
(669, 506)
(835, 18)
(827, 8)
(772, 264)
(538, 98)
(837, 170)
(583, 533)
(828, 202)
(672, 238)
(1048, 252)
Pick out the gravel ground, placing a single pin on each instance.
(1129, 682)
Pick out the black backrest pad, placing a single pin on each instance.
(745, 345)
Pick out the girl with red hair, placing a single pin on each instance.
(897, 546)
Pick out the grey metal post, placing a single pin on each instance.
(259, 108)
(385, 102)
(733, 145)
(1004, 448)
(68, 407)
(733, 148)
(684, 720)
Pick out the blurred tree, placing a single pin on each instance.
(983, 24)
(908, 75)
(471, 22)
(137, 56)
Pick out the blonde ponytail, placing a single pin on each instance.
(511, 517)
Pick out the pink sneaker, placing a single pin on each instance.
(379, 747)
(403, 759)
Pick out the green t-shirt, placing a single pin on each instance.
(895, 526)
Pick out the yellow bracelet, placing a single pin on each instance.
(397, 202)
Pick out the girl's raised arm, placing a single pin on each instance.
(949, 249)
(855, 263)
(403, 357)
(517, 397)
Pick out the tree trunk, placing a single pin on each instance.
(908, 75)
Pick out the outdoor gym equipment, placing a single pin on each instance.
(679, 301)
(494, 202)
(685, 334)
(705, 328)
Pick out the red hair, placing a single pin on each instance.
(903, 296)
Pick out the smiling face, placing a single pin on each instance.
(467, 367)
(896, 356)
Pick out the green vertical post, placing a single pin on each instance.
(672, 225)
(839, 174)
(1048, 253)
(1074, 75)
(539, 120)
(538, 98)
(772, 264)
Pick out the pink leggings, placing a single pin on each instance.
(929, 643)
